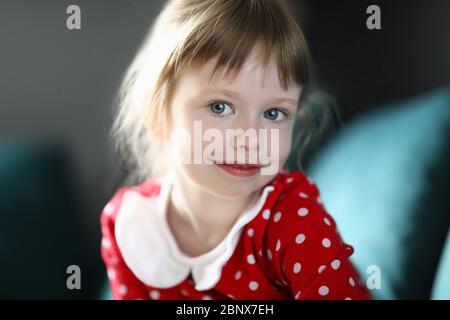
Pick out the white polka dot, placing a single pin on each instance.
(260, 252)
(206, 297)
(326, 242)
(238, 275)
(321, 268)
(300, 238)
(319, 200)
(298, 294)
(278, 246)
(302, 212)
(323, 290)
(106, 243)
(230, 296)
(115, 261)
(303, 195)
(154, 294)
(348, 298)
(184, 293)
(277, 216)
(109, 209)
(250, 232)
(111, 274)
(289, 180)
(266, 214)
(297, 267)
(269, 254)
(122, 289)
(105, 231)
(351, 281)
(253, 285)
(327, 221)
(250, 259)
(335, 264)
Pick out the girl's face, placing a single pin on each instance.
(205, 109)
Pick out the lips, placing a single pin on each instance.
(240, 170)
(243, 166)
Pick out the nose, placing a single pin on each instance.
(246, 135)
(244, 141)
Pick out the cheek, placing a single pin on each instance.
(192, 120)
(280, 143)
(285, 145)
(189, 140)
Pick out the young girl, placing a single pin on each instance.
(219, 228)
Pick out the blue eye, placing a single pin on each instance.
(274, 114)
(220, 108)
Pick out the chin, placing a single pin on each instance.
(223, 184)
(230, 187)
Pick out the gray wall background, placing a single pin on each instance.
(59, 85)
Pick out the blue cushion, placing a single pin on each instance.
(441, 288)
(385, 179)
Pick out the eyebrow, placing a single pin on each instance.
(235, 95)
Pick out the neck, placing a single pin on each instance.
(206, 215)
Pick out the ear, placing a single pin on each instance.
(160, 124)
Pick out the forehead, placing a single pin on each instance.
(253, 75)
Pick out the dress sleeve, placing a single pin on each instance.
(309, 257)
(124, 284)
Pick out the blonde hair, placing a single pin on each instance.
(190, 33)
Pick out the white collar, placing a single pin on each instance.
(150, 249)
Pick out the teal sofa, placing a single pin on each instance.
(41, 229)
(385, 179)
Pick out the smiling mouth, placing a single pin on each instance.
(241, 165)
(240, 169)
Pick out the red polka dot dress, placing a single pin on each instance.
(285, 246)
